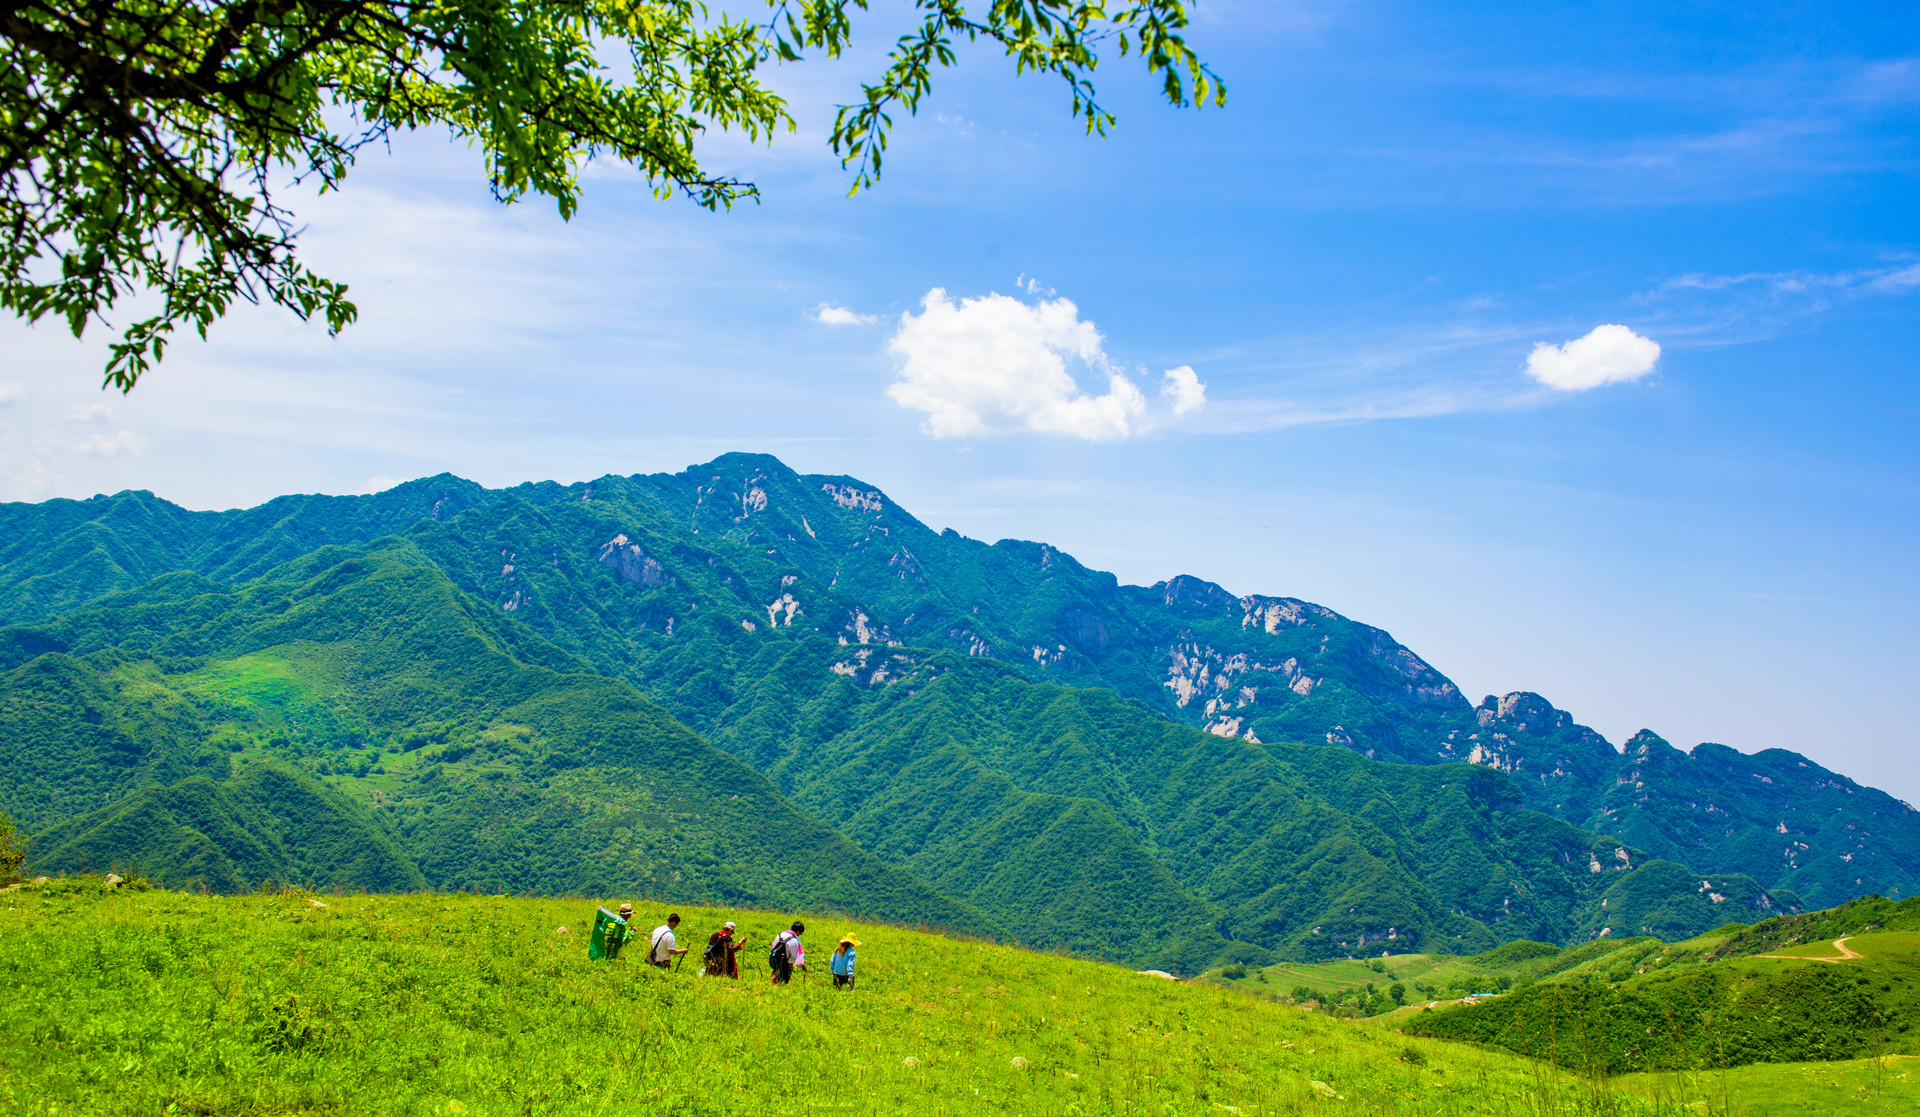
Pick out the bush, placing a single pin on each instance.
(1235, 971)
(13, 851)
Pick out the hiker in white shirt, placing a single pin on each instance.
(787, 953)
(661, 947)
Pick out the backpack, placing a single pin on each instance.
(777, 956)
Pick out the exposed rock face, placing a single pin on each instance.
(631, 564)
(1085, 629)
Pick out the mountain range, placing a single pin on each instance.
(744, 684)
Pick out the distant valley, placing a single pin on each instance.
(743, 685)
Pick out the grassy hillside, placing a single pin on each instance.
(1887, 1085)
(159, 1002)
(1394, 987)
(1776, 992)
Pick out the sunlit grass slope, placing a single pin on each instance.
(1886, 1085)
(162, 1002)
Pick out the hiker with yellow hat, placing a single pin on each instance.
(841, 963)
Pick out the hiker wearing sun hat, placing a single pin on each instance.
(841, 963)
(719, 960)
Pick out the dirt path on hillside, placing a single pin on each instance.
(1847, 953)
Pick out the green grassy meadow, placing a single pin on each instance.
(294, 1003)
(1856, 1088)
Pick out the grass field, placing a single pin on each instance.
(1889, 1085)
(158, 1002)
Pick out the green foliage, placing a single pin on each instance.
(144, 137)
(283, 1003)
(1513, 953)
(269, 825)
(13, 850)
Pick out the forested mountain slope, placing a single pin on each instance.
(779, 615)
(482, 757)
(179, 709)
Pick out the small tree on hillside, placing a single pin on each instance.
(13, 851)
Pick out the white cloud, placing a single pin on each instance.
(11, 394)
(828, 314)
(112, 445)
(1184, 389)
(996, 365)
(1897, 281)
(88, 413)
(378, 485)
(1609, 355)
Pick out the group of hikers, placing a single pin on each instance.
(785, 954)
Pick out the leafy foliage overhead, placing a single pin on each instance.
(144, 139)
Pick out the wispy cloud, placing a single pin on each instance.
(112, 445)
(1745, 306)
(827, 314)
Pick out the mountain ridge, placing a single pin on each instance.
(781, 615)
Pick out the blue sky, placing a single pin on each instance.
(1356, 258)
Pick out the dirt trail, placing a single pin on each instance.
(1847, 953)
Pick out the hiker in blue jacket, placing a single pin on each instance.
(841, 962)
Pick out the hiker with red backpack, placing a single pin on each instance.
(787, 953)
(719, 960)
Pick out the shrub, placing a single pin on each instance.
(13, 851)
